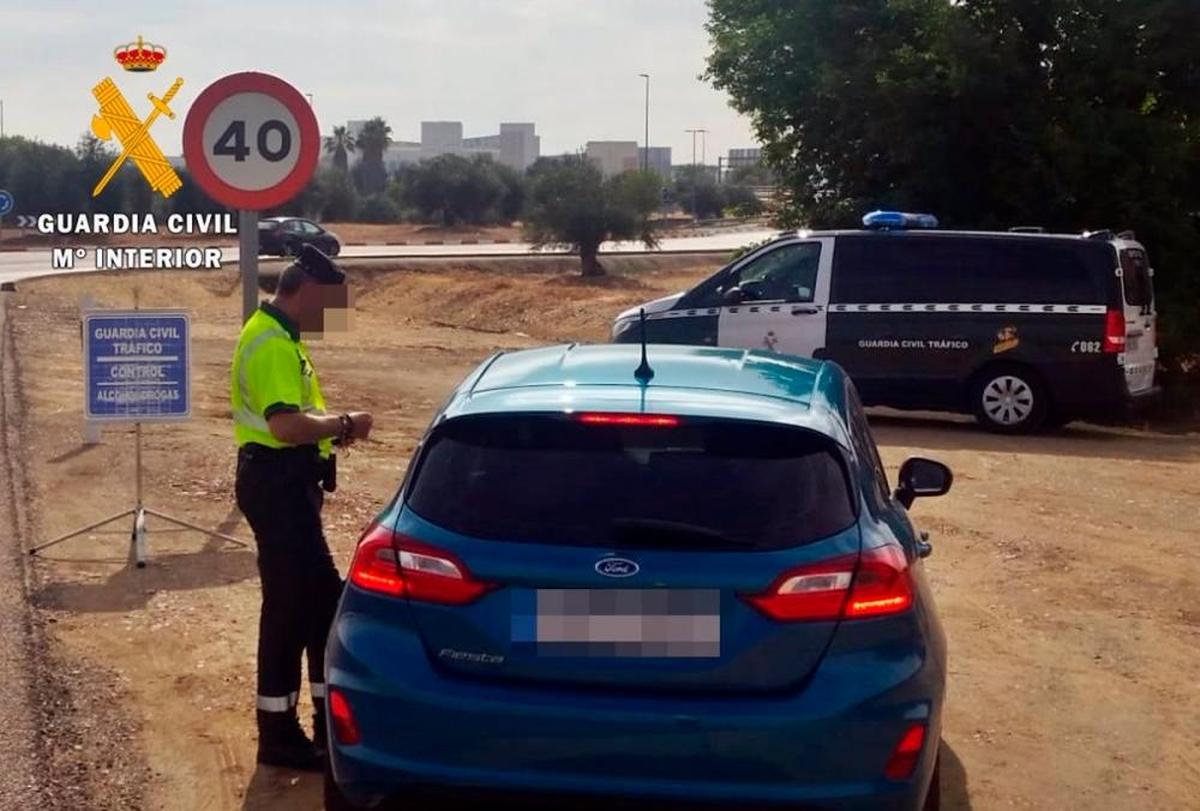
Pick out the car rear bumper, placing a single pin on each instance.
(824, 746)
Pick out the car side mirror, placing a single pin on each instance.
(920, 478)
(732, 296)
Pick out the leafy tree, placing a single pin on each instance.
(572, 206)
(452, 189)
(379, 208)
(752, 175)
(512, 202)
(1070, 114)
(43, 178)
(372, 141)
(340, 145)
(741, 201)
(190, 199)
(339, 202)
(697, 192)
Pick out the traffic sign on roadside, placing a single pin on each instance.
(136, 365)
(6, 202)
(251, 141)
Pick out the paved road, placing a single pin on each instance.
(19, 783)
(18, 265)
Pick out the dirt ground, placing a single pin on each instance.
(1065, 567)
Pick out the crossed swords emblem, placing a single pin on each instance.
(116, 116)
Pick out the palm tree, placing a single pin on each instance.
(372, 140)
(340, 144)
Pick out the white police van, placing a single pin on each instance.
(1020, 328)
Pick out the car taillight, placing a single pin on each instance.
(903, 762)
(651, 420)
(393, 564)
(876, 584)
(345, 728)
(1114, 332)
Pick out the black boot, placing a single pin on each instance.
(281, 742)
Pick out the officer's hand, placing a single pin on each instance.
(363, 422)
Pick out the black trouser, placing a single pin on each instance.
(278, 492)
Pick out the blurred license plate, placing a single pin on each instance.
(670, 623)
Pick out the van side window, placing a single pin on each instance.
(1135, 273)
(788, 273)
(864, 446)
(934, 269)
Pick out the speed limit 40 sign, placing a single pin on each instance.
(251, 141)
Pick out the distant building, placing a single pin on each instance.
(516, 145)
(743, 157)
(659, 160)
(613, 157)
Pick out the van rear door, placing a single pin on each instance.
(1138, 297)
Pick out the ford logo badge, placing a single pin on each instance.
(617, 567)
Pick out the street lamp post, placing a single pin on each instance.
(646, 154)
(695, 174)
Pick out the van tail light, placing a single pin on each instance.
(903, 762)
(345, 728)
(875, 584)
(396, 565)
(1114, 332)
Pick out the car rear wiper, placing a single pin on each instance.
(648, 533)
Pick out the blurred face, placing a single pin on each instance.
(323, 307)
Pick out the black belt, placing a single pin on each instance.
(306, 460)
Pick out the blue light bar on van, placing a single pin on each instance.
(898, 220)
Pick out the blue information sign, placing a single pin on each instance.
(137, 365)
(6, 202)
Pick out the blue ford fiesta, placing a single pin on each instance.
(676, 582)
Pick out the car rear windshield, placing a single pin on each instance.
(1135, 273)
(701, 484)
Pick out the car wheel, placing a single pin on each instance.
(1010, 400)
(334, 249)
(933, 799)
(289, 249)
(334, 799)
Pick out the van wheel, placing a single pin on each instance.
(1010, 400)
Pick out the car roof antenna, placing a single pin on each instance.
(644, 373)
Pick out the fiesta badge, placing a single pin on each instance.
(617, 567)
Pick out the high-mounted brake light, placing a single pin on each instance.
(1114, 332)
(396, 565)
(876, 585)
(652, 420)
(903, 762)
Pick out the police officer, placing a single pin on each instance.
(285, 462)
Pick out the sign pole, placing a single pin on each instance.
(248, 260)
(139, 511)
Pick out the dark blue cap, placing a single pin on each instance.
(318, 266)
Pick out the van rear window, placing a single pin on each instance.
(893, 269)
(702, 485)
(1135, 275)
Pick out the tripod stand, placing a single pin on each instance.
(139, 511)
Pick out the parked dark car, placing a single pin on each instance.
(285, 236)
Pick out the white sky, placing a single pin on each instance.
(570, 66)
